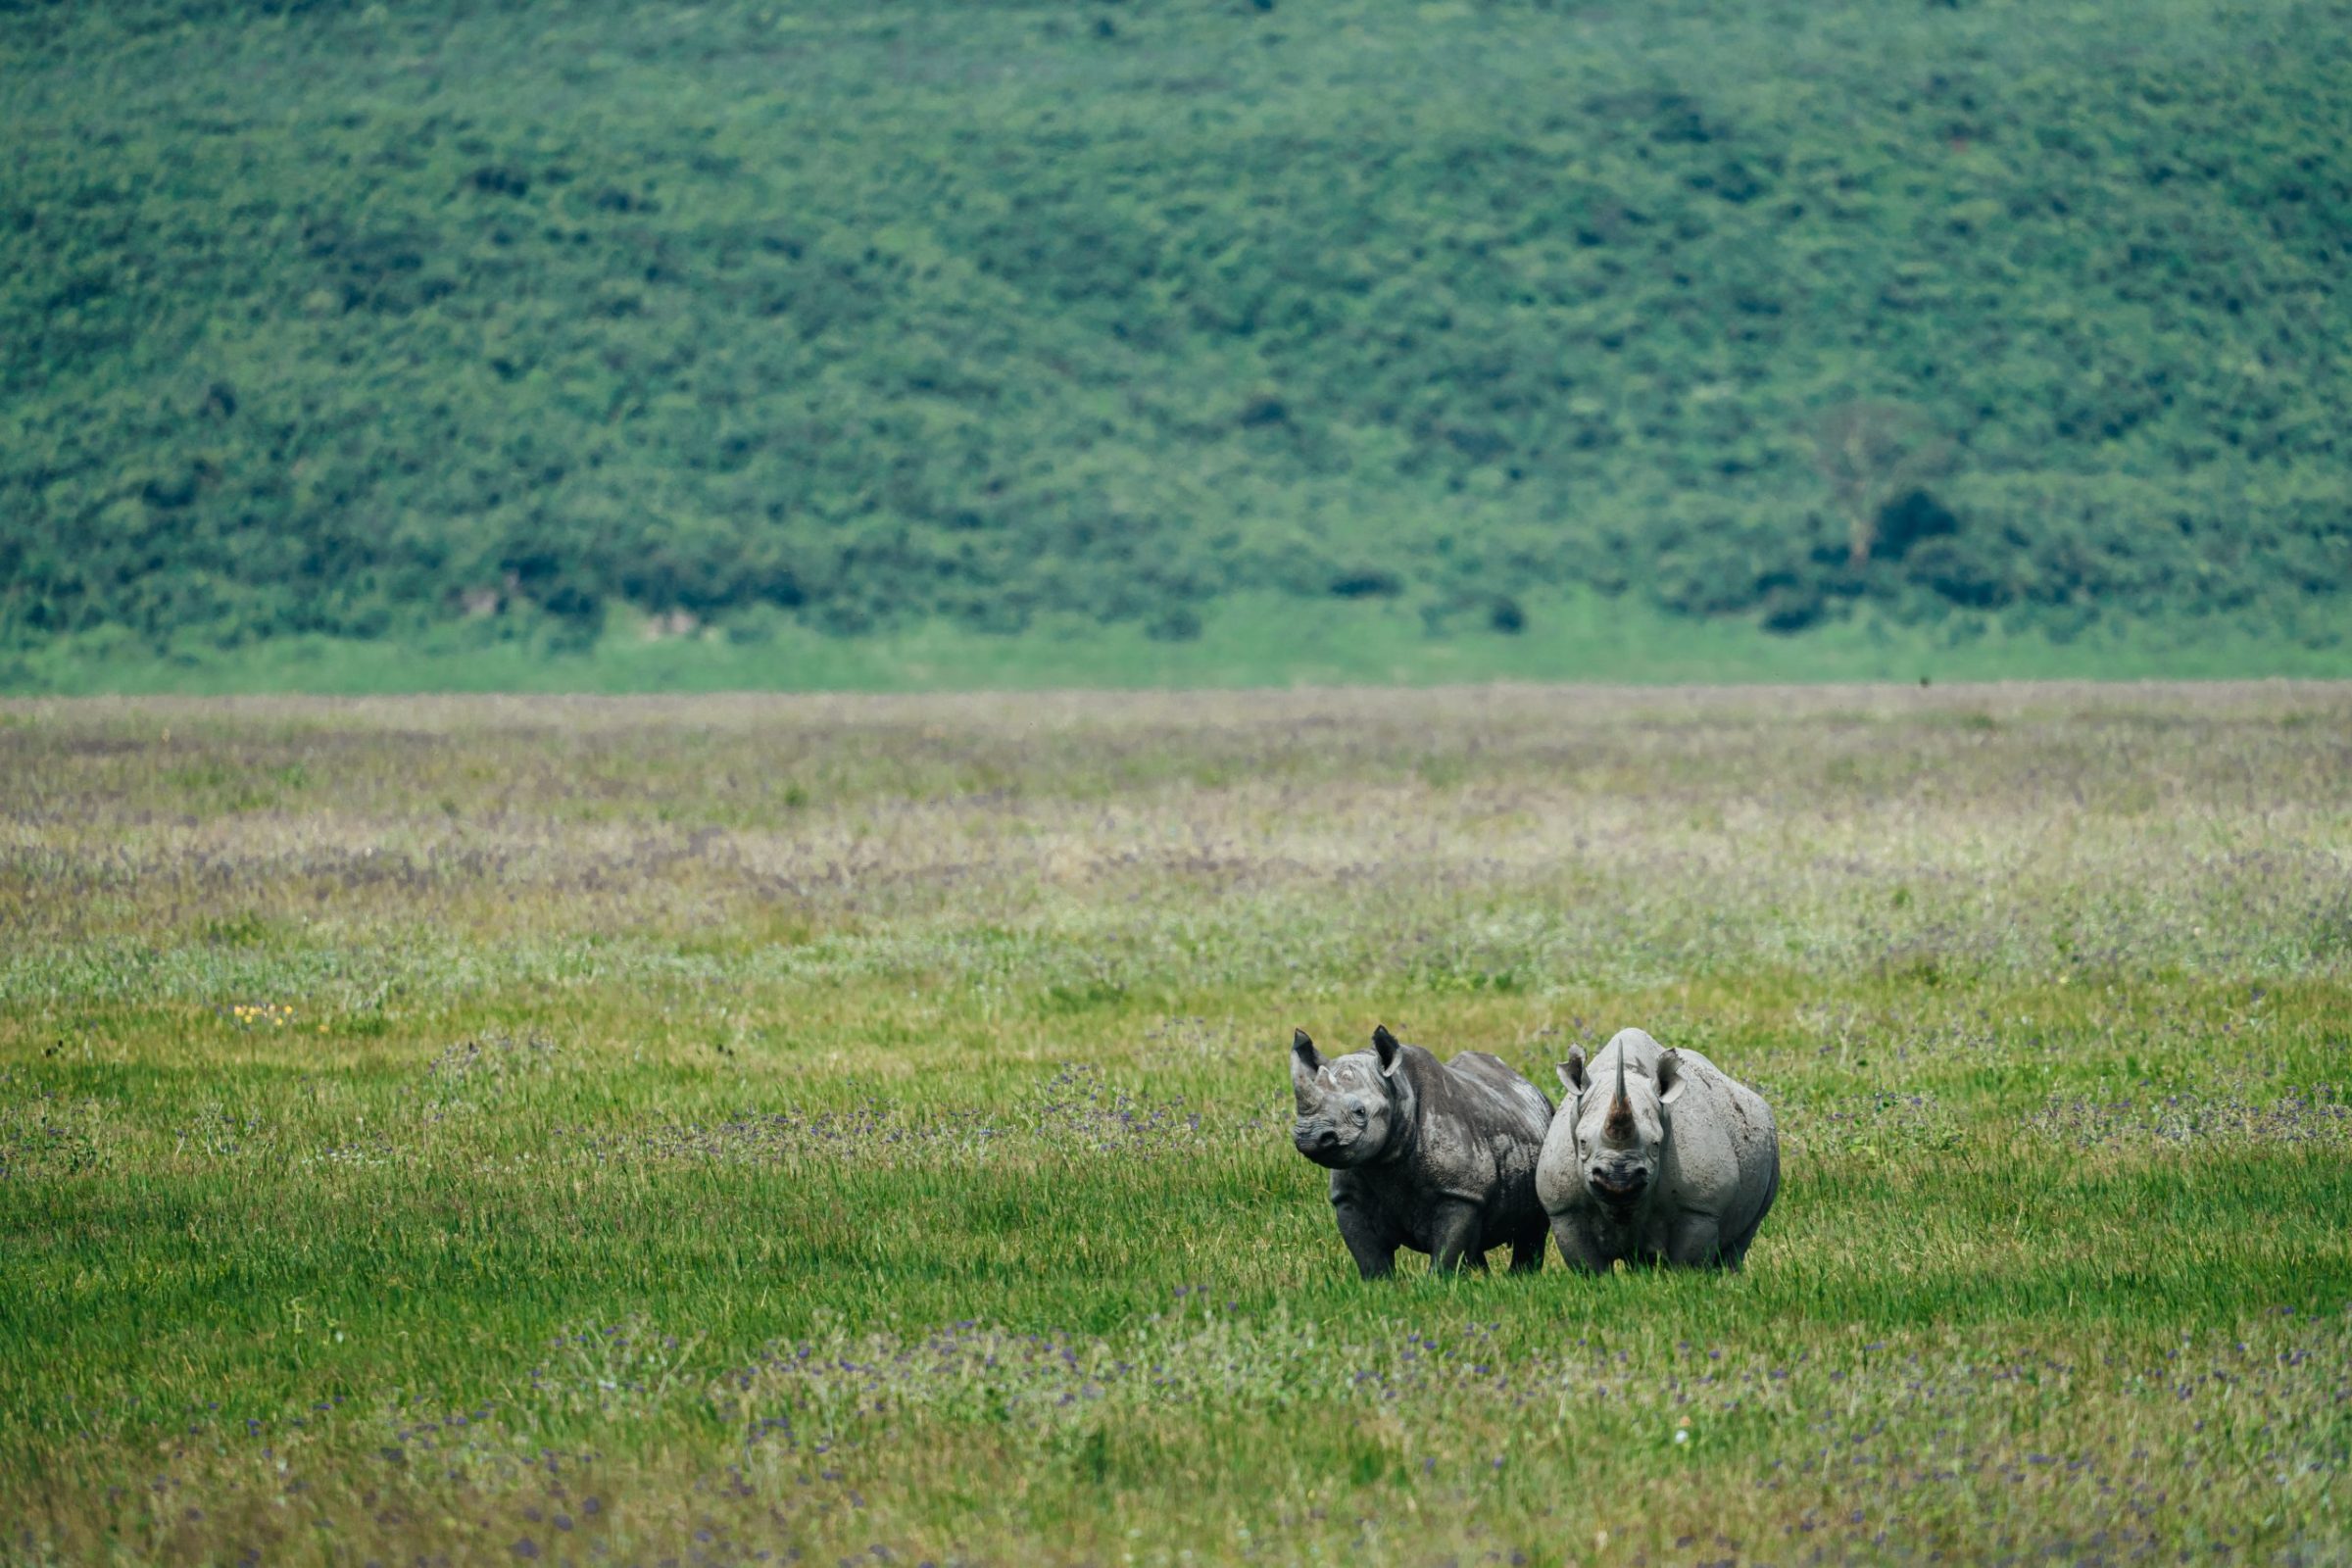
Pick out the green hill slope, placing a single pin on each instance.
(351, 321)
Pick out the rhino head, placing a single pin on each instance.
(1621, 1125)
(1349, 1110)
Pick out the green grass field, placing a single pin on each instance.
(730, 1129)
(1254, 640)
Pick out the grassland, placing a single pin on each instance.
(829, 1129)
(1254, 640)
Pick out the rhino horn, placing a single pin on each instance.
(1618, 1130)
(1306, 1069)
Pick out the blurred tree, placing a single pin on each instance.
(1875, 455)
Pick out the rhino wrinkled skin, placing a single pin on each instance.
(1657, 1158)
(1438, 1157)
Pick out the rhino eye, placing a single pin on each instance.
(1360, 1116)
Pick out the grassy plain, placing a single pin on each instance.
(1248, 640)
(721, 1129)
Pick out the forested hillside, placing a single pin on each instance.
(349, 319)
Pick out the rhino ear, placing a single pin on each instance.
(1305, 1062)
(1386, 1044)
(1572, 1071)
(1671, 1078)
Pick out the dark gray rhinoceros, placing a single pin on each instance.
(1660, 1158)
(1438, 1157)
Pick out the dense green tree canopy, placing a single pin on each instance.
(342, 318)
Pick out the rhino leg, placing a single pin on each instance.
(1734, 1248)
(1527, 1249)
(1374, 1250)
(1578, 1248)
(1696, 1241)
(1455, 1236)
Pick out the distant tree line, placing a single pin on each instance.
(351, 319)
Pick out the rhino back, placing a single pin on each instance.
(1477, 1129)
(1500, 1098)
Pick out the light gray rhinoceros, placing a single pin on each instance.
(1659, 1157)
(1438, 1157)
